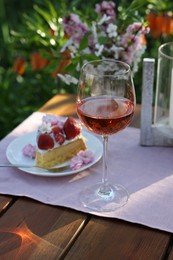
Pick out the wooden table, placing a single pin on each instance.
(32, 230)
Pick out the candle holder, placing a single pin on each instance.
(157, 123)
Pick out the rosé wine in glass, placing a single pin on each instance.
(105, 116)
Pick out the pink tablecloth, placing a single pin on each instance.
(146, 172)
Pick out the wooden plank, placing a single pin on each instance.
(5, 203)
(115, 239)
(169, 255)
(61, 105)
(31, 230)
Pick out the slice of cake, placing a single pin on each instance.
(58, 141)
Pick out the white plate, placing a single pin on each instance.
(14, 154)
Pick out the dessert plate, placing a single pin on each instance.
(14, 154)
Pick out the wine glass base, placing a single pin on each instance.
(93, 198)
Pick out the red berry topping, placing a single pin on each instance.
(56, 130)
(45, 142)
(60, 138)
(71, 128)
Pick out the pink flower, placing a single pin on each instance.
(134, 27)
(106, 8)
(74, 27)
(137, 28)
(76, 163)
(53, 120)
(29, 150)
(81, 159)
(86, 156)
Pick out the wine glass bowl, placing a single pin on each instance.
(105, 105)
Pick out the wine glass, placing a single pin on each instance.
(105, 105)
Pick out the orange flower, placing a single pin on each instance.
(19, 65)
(160, 24)
(64, 62)
(166, 27)
(151, 18)
(143, 39)
(38, 62)
(155, 23)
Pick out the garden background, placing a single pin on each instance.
(26, 86)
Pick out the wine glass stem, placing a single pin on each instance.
(105, 168)
(105, 188)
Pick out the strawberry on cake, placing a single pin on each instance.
(58, 141)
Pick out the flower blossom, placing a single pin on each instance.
(114, 51)
(74, 27)
(132, 33)
(105, 39)
(137, 27)
(99, 49)
(45, 127)
(81, 159)
(112, 30)
(133, 45)
(104, 19)
(52, 120)
(29, 150)
(67, 79)
(72, 46)
(106, 8)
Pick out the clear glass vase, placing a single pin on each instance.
(163, 114)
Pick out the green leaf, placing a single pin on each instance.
(52, 66)
(103, 40)
(84, 42)
(43, 13)
(53, 12)
(45, 54)
(135, 5)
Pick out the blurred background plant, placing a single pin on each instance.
(30, 37)
(64, 39)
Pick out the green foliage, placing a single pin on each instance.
(160, 5)
(20, 97)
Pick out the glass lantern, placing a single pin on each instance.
(163, 114)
